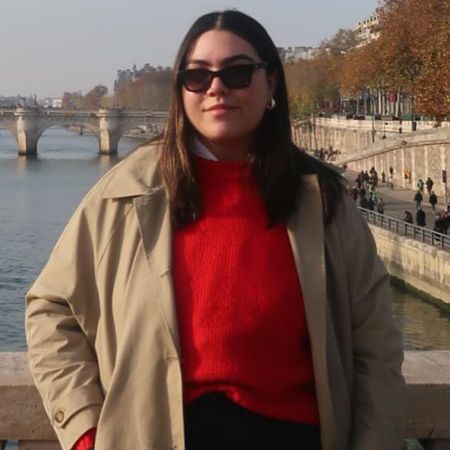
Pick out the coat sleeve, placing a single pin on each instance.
(61, 316)
(377, 391)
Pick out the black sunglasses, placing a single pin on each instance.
(233, 77)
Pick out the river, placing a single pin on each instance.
(37, 196)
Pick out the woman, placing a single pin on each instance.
(205, 294)
(433, 200)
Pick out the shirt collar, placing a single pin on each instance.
(201, 150)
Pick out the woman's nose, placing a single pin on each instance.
(217, 87)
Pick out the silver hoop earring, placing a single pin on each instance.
(271, 104)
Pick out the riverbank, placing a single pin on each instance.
(422, 266)
(133, 134)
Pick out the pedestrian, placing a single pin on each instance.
(366, 178)
(373, 194)
(391, 181)
(429, 183)
(446, 220)
(364, 203)
(142, 331)
(433, 201)
(354, 193)
(375, 177)
(362, 192)
(359, 179)
(408, 217)
(383, 177)
(439, 223)
(418, 197)
(420, 217)
(381, 205)
(420, 185)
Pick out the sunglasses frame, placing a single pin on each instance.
(220, 74)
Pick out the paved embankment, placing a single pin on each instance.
(420, 265)
(400, 199)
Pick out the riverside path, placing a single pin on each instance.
(400, 199)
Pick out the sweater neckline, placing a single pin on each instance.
(207, 169)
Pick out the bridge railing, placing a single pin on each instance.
(427, 403)
(407, 229)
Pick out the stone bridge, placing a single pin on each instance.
(27, 125)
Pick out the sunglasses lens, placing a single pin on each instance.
(196, 80)
(237, 77)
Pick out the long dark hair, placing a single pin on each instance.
(276, 161)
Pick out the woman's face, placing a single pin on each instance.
(226, 118)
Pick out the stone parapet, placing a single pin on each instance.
(424, 267)
(427, 375)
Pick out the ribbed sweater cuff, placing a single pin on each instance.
(86, 441)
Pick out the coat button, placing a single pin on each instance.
(59, 416)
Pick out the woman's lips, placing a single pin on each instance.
(220, 107)
(220, 110)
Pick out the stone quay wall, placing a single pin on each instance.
(424, 267)
(413, 155)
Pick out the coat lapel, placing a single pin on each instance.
(155, 229)
(306, 234)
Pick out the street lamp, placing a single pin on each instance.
(444, 180)
(373, 116)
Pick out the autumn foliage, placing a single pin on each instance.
(150, 91)
(314, 83)
(411, 57)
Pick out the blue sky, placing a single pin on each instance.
(50, 46)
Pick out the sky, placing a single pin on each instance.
(48, 47)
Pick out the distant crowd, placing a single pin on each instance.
(328, 154)
(364, 193)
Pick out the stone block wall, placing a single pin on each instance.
(422, 266)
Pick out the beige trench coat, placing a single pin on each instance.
(102, 330)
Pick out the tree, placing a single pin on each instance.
(93, 99)
(149, 89)
(415, 42)
(72, 100)
(343, 41)
(411, 57)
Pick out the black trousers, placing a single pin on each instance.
(213, 422)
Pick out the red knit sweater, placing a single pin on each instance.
(239, 303)
(86, 441)
(240, 307)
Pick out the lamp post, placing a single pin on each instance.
(444, 180)
(373, 116)
(413, 122)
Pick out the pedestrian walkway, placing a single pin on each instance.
(400, 199)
